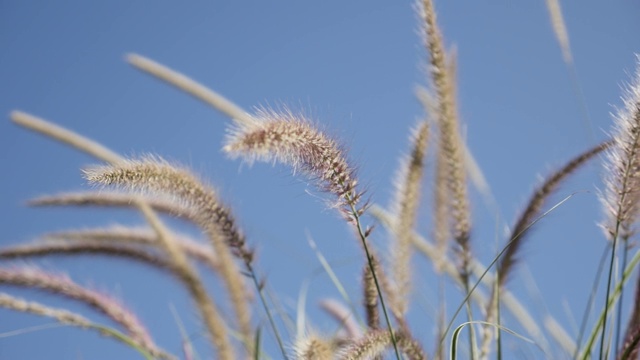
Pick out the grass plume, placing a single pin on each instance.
(30, 277)
(76, 320)
(621, 201)
(535, 205)
(210, 314)
(450, 141)
(152, 174)
(407, 199)
(158, 189)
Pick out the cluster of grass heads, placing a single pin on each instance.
(379, 326)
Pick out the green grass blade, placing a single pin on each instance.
(456, 334)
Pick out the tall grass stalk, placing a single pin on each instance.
(621, 200)
(156, 189)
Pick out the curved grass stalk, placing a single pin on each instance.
(334, 278)
(73, 319)
(190, 87)
(101, 152)
(211, 315)
(65, 136)
(495, 260)
(363, 238)
(456, 334)
(125, 235)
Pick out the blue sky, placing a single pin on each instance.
(353, 67)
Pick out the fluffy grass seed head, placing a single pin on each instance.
(61, 285)
(156, 175)
(376, 342)
(284, 137)
(406, 202)
(622, 195)
(151, 174)
(313, 347)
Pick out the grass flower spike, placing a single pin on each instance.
(152, 174)
(407, 200)
(622, 198)
(381, 302)
(291, 139)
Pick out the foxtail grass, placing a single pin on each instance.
(621, 200)
(157, 188)
(73, 319)
(31, 277)
(406, 201)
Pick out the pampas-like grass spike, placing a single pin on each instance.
(407, 199)
(141, 236)
(522, 228)
(450, 140)
(210, 313)
(115, 199)
(70, 318)
(370, 298)
(535, 204)
(376, 342)
(65, 136)
(622, 198)
(30, 277)
(291, 139)
(152, 174)
(156, 175)
(560, 29)
(191, 87)
(53, 248)
(312, 347)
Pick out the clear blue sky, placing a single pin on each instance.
(353, 66)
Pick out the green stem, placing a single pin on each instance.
(472, 333)
(363, 238)
(616, 343)
(611, 300)
(609, 278)
(495, 259)
(266, 309)
(592, 297)
(107, 331)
